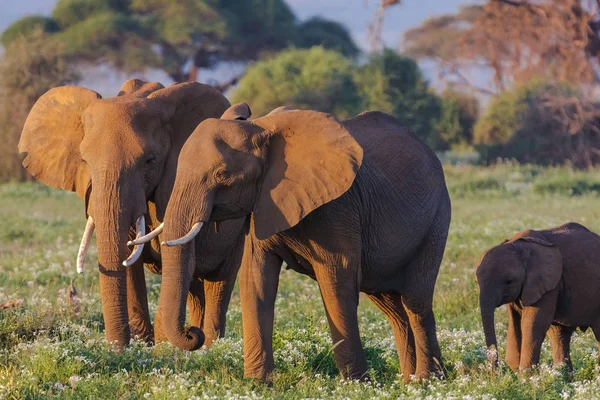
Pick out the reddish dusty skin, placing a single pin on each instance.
(120, 155)
(359, 205)
(549, 280)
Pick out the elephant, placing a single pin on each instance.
(119, 155)
(549, 280)
(359, 206)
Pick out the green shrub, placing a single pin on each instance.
(459, 114)
(568, 184)
(316, 78)
(541, 123)
(394, 84)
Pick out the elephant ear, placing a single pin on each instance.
(183, 107)
(240, 111)
(311, 160)
(543, 267)
(49, 144)
(139, 88)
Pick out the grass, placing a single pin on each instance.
(49, 351)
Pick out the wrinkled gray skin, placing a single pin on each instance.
(120, 155)
(359, 205)
(550, 282)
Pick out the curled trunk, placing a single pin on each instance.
(179, 266)
(178, 269)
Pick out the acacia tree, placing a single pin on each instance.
(176, 36)
(516, 39)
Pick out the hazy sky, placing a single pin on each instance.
(355, 14)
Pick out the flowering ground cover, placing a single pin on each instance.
(52, 344)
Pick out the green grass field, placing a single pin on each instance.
(47, 349)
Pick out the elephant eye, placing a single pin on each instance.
(222, 175)
(151, 160)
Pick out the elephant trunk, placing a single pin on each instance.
(114, 209)
(178, 268)
(487, 318)
(178, 263)
(111, 239)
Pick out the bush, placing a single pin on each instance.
(541, 123)
(506, 113)
(459, 114)
(316, 79)
(394, 84)
(570, 184)
(326, 81)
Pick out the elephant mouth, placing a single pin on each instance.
(227, 211)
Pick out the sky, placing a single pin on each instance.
(356, 15)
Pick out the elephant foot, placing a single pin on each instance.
(145, 334)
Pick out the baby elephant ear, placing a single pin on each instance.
(543, 268)
(240, 111)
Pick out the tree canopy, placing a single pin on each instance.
(314, 78)
(325, 80)
(516, 39)
(170, 35)
(394, 84)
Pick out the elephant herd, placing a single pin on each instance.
(177, 180)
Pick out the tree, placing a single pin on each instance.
(28, 68)
(170, 35)
(316, 78)
(542, 123)
(394, 84)
(516, 39)
(318, 31)
(459, 115)
(325, 80)
(376, 27)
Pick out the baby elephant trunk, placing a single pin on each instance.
(487, 318)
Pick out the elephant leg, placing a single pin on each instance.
(513, 339)
(218, 295)
(217, 292)
(159, 333)
(535, 321)
(340, 291)
(137, 303)
(560, 339)
(259, 281)
(196, 302)
(417, 299)
(391, 305)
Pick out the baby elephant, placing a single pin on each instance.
(550, 280)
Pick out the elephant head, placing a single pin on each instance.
(523, 268)
(278, 168)
(117, 154)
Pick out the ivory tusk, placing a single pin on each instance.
(148, 237)
(188, 237)
(85, 244)
(140, 229)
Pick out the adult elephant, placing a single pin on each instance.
(549, 279)
(358, 205)
(120, 155)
